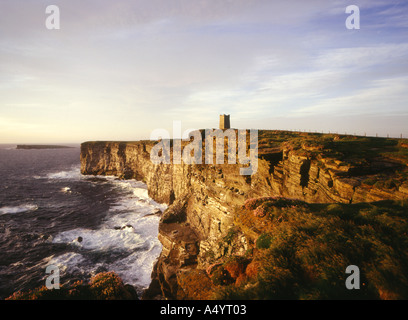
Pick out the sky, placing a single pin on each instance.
(117, 70)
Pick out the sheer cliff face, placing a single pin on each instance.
(208, 192)
(202, 198)
(287, 175)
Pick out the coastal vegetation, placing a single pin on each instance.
(102, 286)
(301, 251)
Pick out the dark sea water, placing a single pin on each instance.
(46, 205)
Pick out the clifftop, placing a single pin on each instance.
(306, 166)
(200, 228)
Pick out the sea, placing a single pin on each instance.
(51, 214)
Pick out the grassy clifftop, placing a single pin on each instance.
(301, 251)
(385, 158)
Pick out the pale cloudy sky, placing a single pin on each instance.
(117, 70)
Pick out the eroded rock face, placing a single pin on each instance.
(202, 197)
(324, 180)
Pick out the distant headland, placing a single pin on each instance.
(37, 146)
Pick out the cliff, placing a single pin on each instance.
(195, 230)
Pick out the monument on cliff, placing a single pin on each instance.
(225, 121)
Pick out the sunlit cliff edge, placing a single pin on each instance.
(317, 203)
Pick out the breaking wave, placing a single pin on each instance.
(18, 209)
(126, 241)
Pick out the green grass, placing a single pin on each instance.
(346, 147)
(304, 251)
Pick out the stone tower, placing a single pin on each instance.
(225, 121)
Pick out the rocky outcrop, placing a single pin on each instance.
(202, 198)
(329, 180)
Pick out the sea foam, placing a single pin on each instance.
(74, 173)
(18, 209)
(126, 242)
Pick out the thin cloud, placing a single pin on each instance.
(130, 66)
